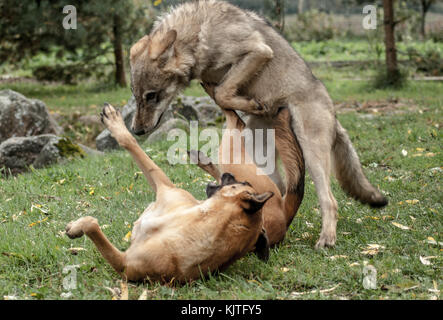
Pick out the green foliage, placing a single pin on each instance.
(429, 62)
(312, 26)
(68, 149)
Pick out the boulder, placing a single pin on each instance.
(18, 153)
(23, 117)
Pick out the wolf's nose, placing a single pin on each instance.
(139, 132)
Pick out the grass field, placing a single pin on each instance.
(397, 134)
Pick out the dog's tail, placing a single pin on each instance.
(291, 156)
(349, 172)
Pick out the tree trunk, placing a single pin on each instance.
(391, 51)
(300, 6)
(425, 5)
(280, 14)
(120, 76)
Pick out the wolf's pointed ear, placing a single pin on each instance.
(252, 203)
(162, 46)
(262, 246)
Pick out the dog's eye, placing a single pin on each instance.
(151, 96)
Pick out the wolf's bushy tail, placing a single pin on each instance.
(291, 156)
(349, 172)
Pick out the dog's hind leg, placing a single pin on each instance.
(205, 163)
(90, 227)
(114, 122)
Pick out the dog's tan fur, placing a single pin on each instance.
(255, 70)
(279, 211)
(179, 237)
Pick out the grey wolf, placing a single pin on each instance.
(178, 237)
(254, 69)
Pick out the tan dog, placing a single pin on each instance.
(179, 237)
(279, 211)
(255, 70)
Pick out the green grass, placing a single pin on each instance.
(354, 50)
(35, 207)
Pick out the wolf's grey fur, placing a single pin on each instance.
(254, 70)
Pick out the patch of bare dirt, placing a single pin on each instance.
(386, 107)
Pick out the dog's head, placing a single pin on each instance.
(240, 193)
(158, 73)
(243, 198)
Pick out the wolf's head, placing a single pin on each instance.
(158, 72)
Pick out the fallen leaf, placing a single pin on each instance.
(37, 222)
(315, 291)
(338, 257)
(127, 237)
(372, 249)
(430, 155)
(354, 264)
(284, 269)
(144, 295)
(415, 201)
(398, 225)
(404, 153)
(124, 291)
(425, 260)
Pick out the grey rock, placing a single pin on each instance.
(23, 117)
(18, 153)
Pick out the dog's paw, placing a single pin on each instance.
(110, 117)
(76, 229)
(326, 240)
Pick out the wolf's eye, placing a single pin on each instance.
(151, 96)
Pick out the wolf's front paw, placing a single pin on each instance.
(257, 108)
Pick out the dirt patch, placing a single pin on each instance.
(387, 107)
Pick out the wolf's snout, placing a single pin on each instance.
(138, 132)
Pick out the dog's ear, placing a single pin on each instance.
(211, 189)
(253, 203)
(228, 179)
(162, 47)
(262, 246)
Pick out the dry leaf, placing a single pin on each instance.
(124, 291)
(315, 291)
(338, 257)
(284, 269)
(372, 249)
(127, 236)
(425, 260)
(354, 264)
(144, 295)
(398, 225)
(415, 201)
